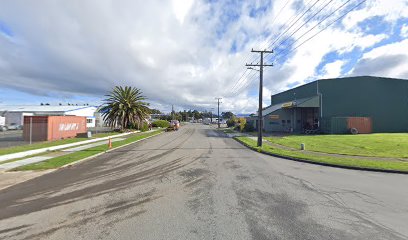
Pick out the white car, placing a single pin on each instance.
(14, 126)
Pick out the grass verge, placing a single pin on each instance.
(345, 162)
(22, 148)
(76, 156)
(372, 145)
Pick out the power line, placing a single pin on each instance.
(306, 22)
(298, 18)
(290, 21)
(269, 44)
(248, 56)
(321, 29)
(247, 83)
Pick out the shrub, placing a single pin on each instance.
(231, 122)
(161, 124)
(144, 127)
(242, 123)
(249, 127)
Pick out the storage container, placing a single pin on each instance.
(48, 128)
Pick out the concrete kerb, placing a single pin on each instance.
(42, 150)
(320, 163)
(98, 154)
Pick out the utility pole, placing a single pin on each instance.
(211, 114)
(172, 112)
(218, 100)
(261, 66)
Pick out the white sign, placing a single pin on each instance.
(68, 126)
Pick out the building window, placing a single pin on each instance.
(89, 120)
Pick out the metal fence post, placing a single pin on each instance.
(31, 129)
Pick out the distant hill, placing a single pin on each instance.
(242, 115)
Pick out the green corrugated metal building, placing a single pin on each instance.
(325, 104)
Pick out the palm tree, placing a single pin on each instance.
(124, 107)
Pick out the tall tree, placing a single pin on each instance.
(227, 115)
(124, 107)
(155, 111)
(197, 114)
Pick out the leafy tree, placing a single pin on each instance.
(124, 107)
(155, 111)
(165, 117)
(232, 121)
(178, 116)
(227, 115)
(197, 114)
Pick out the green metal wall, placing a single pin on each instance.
(384, 100)
(304, 91)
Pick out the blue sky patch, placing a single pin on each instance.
(375, 25)
(256, 11)
(5, 29)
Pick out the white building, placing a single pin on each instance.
(15, 114)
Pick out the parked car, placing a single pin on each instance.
(14, 126)
(3, 128)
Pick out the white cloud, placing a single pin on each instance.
(389, 60)
(333, 69)
(391, 10)
(178, 52)
(404, 31)
(181, 8)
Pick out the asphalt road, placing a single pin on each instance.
(198, 184)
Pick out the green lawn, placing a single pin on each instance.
(39, 145)
(339, 161)
(379, 145)
(76, 156)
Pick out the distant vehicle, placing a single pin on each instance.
(3, 128)
(174, 125)
(14, 126)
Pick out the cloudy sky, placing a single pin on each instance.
(187, 52)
